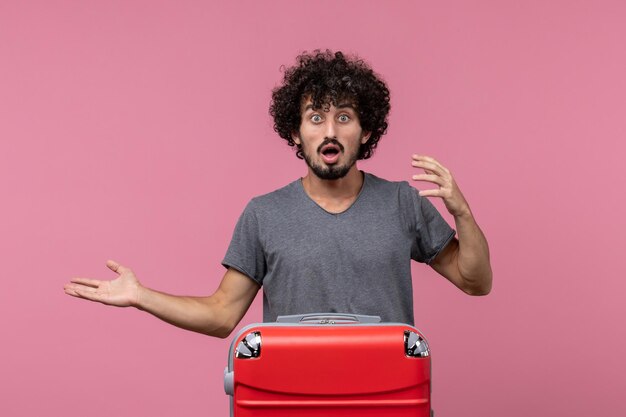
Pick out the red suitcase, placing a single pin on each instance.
(329, 365)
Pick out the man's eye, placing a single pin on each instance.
(344, 118)
(316, 118)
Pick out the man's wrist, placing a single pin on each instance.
(139, 297)
(463, 214)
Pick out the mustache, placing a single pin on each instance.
(328, 141)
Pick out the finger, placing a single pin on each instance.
(72, 293)
(431, 193)
(86, 281)
(429, 166)
(431, 160)
(115, 267)
(427, 158)
(69, 290)
(87, 293)
(436, 179)
(78, 287)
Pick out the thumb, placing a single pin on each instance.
(115, 267)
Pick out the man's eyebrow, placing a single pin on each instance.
(346, 105)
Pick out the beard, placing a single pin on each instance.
(334, 171)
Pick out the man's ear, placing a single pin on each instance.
(365, 137)
(295, 136)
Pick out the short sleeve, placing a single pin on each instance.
(432, 232)
(245, 252)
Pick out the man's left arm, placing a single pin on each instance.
(464, 261)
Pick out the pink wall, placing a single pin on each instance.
(138, 130)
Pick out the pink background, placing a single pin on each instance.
(138, 130)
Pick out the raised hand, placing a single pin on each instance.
(122, 291)
(447, 190)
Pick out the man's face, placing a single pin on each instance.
(330, 139)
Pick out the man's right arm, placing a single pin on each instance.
(215, 315)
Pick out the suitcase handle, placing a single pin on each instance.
(328, 318)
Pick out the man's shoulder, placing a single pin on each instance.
(392, 195)
(284, 195)
(382, 184)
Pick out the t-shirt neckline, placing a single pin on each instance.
(358, 197)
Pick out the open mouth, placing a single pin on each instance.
(330, 153)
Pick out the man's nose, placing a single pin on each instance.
(330, 129)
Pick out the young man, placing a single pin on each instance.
(337, 240)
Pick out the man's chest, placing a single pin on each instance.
(322, 239)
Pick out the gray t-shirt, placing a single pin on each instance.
(359, 261)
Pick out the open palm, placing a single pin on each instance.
(121, 292)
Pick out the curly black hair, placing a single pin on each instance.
(326, 78)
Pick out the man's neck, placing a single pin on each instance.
(334, 195)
